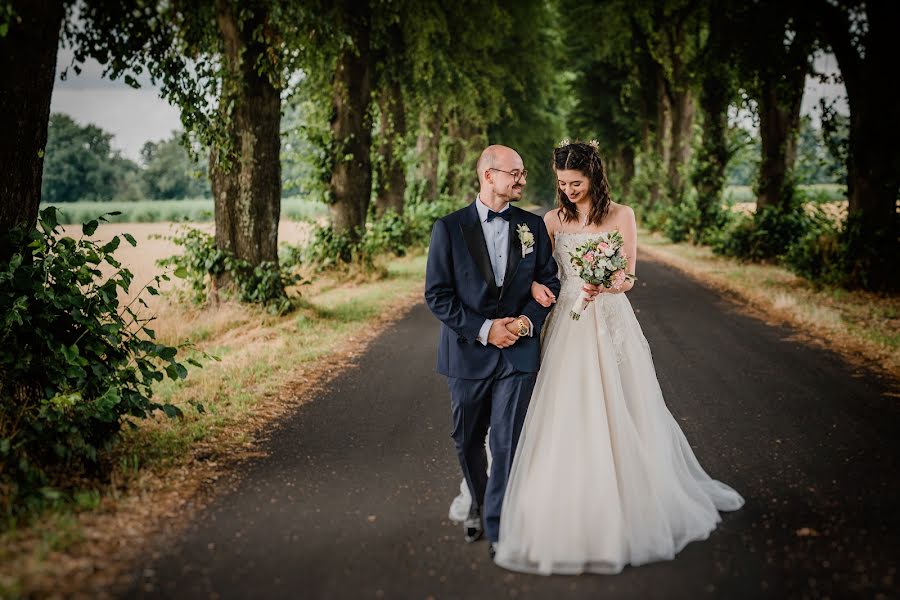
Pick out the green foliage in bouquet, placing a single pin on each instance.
(75, 363)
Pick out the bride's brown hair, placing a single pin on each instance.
(578, 156)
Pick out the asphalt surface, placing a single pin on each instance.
(352, 499)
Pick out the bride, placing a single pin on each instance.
(603, 476)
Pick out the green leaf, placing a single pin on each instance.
(49, 215)
(172, 411)
(90, 227)
(167, 352)
(130, 239)
(111, 245)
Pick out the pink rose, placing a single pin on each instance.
(589, 257)
(602, 246)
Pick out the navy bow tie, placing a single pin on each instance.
(505, 215)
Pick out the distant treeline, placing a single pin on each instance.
(81, 164)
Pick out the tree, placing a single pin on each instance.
(531, 96)
(80, 164)
(862, 37)
(225, 65)
(170, 172)
(609, 103)
(775, 47)
(674, 33)
(29, 38)
(351, 120)
(718, 91)
(816, 162)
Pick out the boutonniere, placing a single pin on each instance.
(526, 238)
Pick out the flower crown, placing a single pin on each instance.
(567, 142)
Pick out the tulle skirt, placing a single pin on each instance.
(603, 476)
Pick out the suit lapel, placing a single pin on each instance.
(514, 251)
(474, 236)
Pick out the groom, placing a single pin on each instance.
(481, 264)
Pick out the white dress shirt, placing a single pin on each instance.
(496, 235)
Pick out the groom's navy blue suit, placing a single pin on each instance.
(489, 386)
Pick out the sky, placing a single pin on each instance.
(138, 116)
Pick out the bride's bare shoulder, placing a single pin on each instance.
(620, 214)
(552, 220)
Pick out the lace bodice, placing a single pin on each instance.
(614, 315)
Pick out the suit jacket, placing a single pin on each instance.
(461, 292)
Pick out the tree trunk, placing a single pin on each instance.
(392, 176)
(873, 159)
(246, 178)
(28, 65)
(663, 136)
(680, 154)
(779, 121)
(351, 129)
(709, 176)
(428, 146)
(622, 171)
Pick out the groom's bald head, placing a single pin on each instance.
(495, 155)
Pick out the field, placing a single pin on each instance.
(158, 211)
(152, 244)
(822, 192)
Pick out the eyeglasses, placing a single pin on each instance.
(516, 175)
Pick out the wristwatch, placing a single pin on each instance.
(523, 327)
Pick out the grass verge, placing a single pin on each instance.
(861, 326)
(163, 471)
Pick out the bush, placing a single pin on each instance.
(389, 234)
(685, 221)
(680, 222)
(764, 236)
(74, 363)
(818, 254)
(202, 263)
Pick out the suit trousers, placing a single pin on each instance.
(499, 402)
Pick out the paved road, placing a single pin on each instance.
(352, 500)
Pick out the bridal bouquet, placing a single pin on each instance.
(600, 261)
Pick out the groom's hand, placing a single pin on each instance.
(499, 335)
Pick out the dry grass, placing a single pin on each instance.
(163, 472)
(836, 210)
(861, 326)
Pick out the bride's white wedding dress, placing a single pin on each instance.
(603, 476)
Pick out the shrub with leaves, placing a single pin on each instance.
(389, 234)
(818, 254)
(75, 363)
(202, 262)
(764, 236)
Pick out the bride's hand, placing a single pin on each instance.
(542, 294)
(591, 291)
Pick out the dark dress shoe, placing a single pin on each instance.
(492, 549)
(473, 529)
